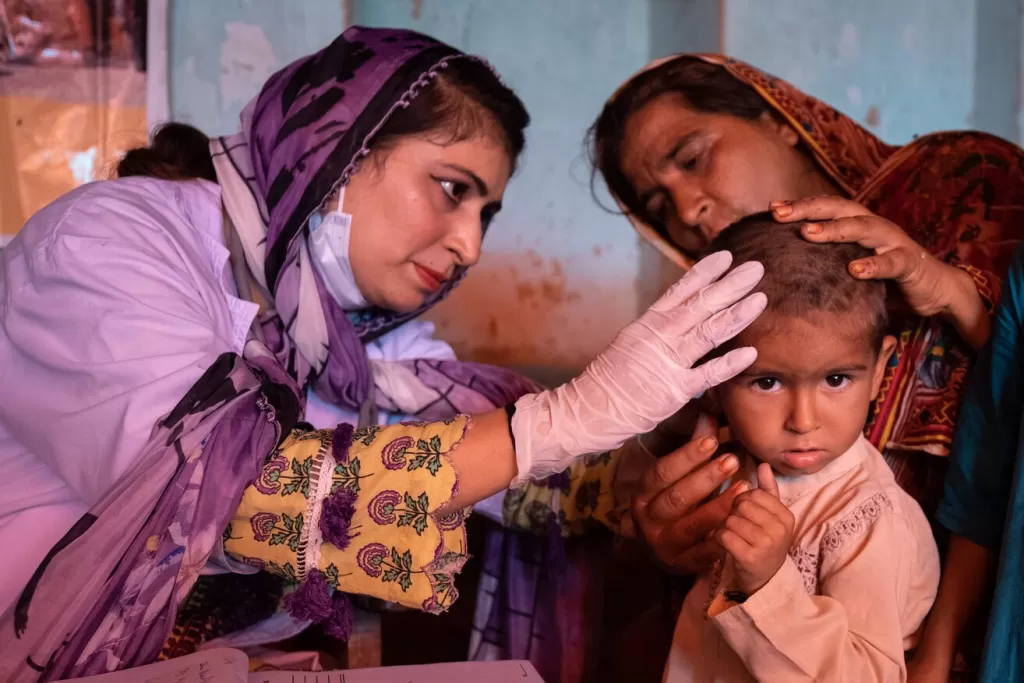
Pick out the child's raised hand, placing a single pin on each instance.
(758, 533)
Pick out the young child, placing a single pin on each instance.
(829, 567)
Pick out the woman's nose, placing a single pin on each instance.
(693, 207)
(465, 239)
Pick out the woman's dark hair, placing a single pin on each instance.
(463, 99)
(704, 87)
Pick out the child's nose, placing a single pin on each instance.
(803, 415)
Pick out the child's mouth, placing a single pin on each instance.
(803, 458)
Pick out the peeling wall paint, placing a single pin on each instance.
(82, 165)
(247, 60)
(223, 51)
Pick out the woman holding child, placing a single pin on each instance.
(693, 143)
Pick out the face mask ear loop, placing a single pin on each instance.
(341, 200)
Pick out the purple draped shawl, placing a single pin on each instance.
(106, 595)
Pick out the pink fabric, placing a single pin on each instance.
(860, 578)
(139, 255)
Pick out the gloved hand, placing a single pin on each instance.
(647, 372)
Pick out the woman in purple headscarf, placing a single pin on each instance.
(167, 338)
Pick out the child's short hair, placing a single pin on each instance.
(802, 277)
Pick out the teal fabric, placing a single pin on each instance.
(984, 494)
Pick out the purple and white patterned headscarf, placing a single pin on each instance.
(106, 595)
(302, 138)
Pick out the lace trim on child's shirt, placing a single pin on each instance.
(855, 523)
(807, 564)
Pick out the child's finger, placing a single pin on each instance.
(735, 546)
(766, 479)
(749, 531)
(764, 499)
(756, 511)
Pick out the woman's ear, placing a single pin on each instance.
(888, 346)
(785, 131)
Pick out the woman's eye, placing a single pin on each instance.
(767, 384)
(689, 160)
(837, 381)
(455, 190)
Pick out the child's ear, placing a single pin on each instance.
(888, 346)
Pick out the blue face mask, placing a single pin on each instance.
(328, 246)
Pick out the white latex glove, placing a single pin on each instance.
(647, 372)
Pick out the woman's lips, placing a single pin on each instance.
(431, 279)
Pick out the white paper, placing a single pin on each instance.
(210, 666)
(224, 665)
(457, 672)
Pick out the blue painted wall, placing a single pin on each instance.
(902, 67)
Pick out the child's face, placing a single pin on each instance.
(805, 400)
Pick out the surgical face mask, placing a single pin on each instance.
(328, 245)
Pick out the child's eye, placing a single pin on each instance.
(837, 381)
(767, 384)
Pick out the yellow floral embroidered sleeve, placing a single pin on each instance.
(366, 517)
(595, 490)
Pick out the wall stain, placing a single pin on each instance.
(873, 117)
